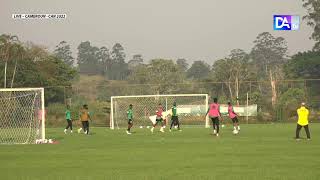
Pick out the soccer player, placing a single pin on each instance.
(69, 120)
(130, 118)
(233, 117)
(84, 118)
(303, 121)
(159, 118)
(215, 115)
(174, 117)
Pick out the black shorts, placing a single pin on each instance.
(215, 120)
(159, 120)
(235, 120)
(130, 121)
(175, 119)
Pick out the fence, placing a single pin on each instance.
(289, 94)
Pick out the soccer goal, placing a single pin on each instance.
(191, 109)
(22, 117)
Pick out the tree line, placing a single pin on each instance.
(30, 65)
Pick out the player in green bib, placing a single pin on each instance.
(69, 120)
(174, 117)
(130, 118)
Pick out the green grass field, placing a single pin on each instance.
(259, 152)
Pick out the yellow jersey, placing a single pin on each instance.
(303, 114)
(84, 115)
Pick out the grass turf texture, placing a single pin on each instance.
(258, 152)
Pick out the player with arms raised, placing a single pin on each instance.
(215, 115)
(130, 118)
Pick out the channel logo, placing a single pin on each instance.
(286, 22)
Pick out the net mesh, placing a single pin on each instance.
(191, 109)
(20, 117)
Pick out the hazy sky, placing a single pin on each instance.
(191, 29)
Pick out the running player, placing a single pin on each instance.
(130, 118)
(69, 120)
(234, 117)
(215, 115)
(159, 118)
(174, 117)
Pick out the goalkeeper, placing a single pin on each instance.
(174, 117)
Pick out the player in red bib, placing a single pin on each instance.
(233, 117)
(159, 118)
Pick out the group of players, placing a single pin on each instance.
(84, 117)
(213, 111)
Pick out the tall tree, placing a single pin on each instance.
(63, 51)
(162, 73)
(8, 44)
(119, 68)
(305, 65)
(38, 68)
(269, 54)
(135, 61)
(313, 18)
(104, 59)
(198, 70)
(88, 58)
(233, 70)
(183, 64)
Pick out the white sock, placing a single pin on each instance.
(238, 127)
(234, 127)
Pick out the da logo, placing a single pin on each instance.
(285, 22)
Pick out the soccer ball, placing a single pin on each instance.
(148, 127)
(141, 127)
(235, 132)
(50, 141)
(222, 125)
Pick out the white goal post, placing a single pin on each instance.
(22, 115)
(191, 109)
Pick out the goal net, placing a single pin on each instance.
(191, 109)
(21, 115)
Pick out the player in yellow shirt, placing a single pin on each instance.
(303, 114)
(84, 118)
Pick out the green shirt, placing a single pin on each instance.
(68, 114)
(130, 114)
(174, 111)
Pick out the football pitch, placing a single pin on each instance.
(261, 151)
